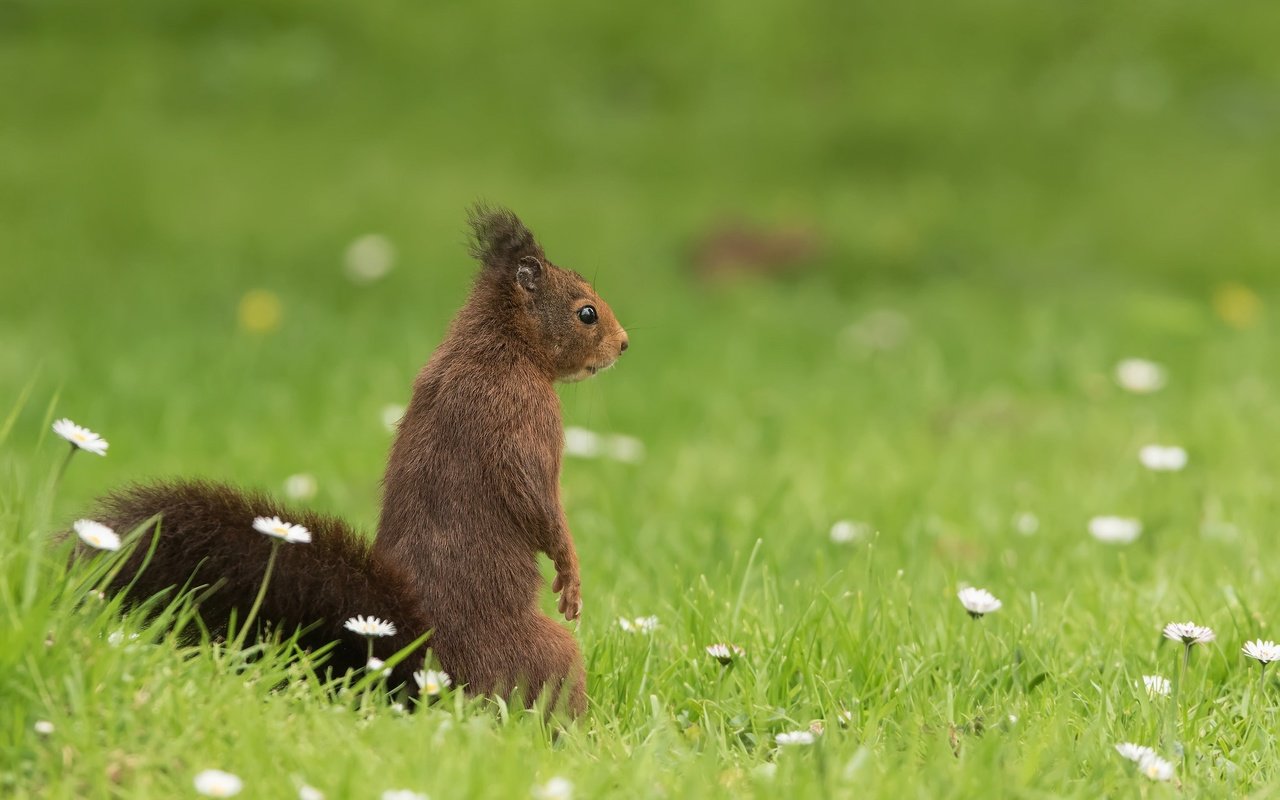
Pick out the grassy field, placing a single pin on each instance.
(1011, 199)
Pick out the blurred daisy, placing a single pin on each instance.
(1156, 685)
(795, 738)
(432, 682)
(1134, 752)
(81, 438)
(1188, 633)
(582, 443)
(369, 258)
(306, 792)
(978, 601)
(1262, 652)
(1115, 530)
(846, 531)
(375, 664)
(1156, 768)
(392, 413)
(1026, 523)
(1140, 376)
(216, 783)
(277, 528)
(300, 487)
(95, 534)
(725, 653)
(766, 771)
(403, 794)
(555, 789)
(627, 449)
(43, 727)
(639, 624)
(1159, 458)
(370, 626)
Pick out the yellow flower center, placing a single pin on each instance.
(79, 437)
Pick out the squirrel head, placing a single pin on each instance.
(555, 310)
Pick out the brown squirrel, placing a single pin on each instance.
(471, 496)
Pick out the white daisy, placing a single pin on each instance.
(403, 794)
(847, 531)
(582, 443)
(1140, 376)
(300, 487)
(369, 258)
(374, 664)
(795, 738)
(1159, 458)
(216, 783)
(1156, 685)
(725, 653)
(1263, 652)
(1026, 523)
(639, 624)
(81, 438)
(557, 788)
(43, 727)
(1189, 633)
(978, 601)
(392, 413)
(1115, 530)
(279, 529)
(432, 682)
(306, 792)
(1134, 752)
(627, 449)
(370, 626)
(1156, 768)
(95, 534)
(766, 771)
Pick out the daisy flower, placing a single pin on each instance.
(1134, 752)
(43, 727)
(300, 487)
(1159, 458)
(369, 258)
(1156, 768)
(279, 529)
(1156, 685)
(1140, 376)
(1026, 523)
(725, 653)
(1189, 633)
(795, 738)
(1115, 530)
(95, 534)
(370, 626)
(432, 682)
(847, 531)
(306, 792)
(1262, 652)
(375, 664)
(81, 438)
(557, 788)
(216, 783)
(978, 601)
(392, 413)
(639, 624)
(582, 443)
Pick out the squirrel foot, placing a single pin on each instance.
(570, 588)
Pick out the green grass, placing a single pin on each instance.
(1038, 191)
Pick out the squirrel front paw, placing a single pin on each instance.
(570, 589)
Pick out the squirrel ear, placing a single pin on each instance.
(529, 273)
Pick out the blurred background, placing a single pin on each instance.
(232, 231)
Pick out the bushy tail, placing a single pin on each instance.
(207, 539)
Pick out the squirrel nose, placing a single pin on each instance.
(625, 345)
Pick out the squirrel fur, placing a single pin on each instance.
(471, 497)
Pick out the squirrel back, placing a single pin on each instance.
(207, 538)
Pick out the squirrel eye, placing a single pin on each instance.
(587, 315)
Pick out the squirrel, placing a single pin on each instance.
(470, 498)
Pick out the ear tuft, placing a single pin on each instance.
(529, 273)
(499, 239)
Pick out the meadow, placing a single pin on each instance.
(1010, 201)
